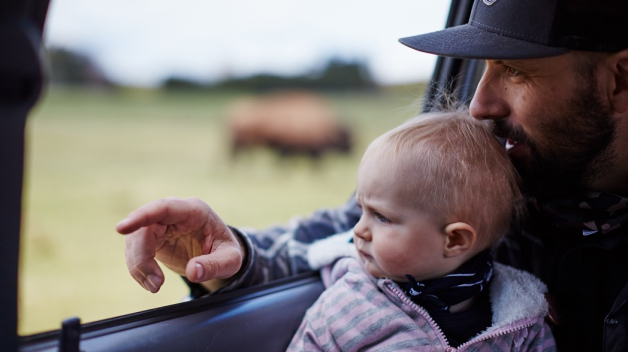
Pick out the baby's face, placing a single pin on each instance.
(393, 236)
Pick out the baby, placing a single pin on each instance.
(436, 193)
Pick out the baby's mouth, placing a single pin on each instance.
(364, 255)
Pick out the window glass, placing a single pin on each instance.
(136, 109)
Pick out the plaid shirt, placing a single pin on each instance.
(281, 251)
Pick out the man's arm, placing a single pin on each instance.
(281, 251)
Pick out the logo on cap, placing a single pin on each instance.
(489, 2)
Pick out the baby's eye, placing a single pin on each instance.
(381, 218)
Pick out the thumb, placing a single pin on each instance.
(222, 263)
(149, 275)
(140, 260)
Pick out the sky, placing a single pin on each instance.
(143, 42)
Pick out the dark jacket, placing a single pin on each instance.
(587, 277)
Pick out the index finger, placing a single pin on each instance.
(163, 211)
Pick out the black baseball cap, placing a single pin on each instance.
(523, 29)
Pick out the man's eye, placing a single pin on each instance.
(513, 72)
(381, 218)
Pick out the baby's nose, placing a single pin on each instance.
(361, 231)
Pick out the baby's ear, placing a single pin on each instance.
(460, 238)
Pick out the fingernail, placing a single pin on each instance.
(152, 283)
(199, 272)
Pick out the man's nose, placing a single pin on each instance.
(489, 101)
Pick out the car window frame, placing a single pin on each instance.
(21, 28)
(454, 77)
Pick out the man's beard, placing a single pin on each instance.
(575, 148)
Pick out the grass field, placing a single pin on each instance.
(94, 156)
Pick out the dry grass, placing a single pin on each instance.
(92, 157)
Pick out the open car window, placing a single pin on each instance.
(97, 150)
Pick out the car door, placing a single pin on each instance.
(234, 321)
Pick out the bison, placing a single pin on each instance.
(288, 122)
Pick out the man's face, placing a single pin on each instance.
(558, 130)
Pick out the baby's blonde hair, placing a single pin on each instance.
(457, 171)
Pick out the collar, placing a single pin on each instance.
(465, 282)
(590, 212)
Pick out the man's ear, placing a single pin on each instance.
(619, 70)
(460, 237)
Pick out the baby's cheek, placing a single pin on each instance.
(394, 262)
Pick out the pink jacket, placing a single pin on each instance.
(362, 313)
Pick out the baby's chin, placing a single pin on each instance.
(375, 271)
(372, 268)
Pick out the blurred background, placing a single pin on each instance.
(151, 99)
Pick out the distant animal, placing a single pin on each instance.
(288, 122)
